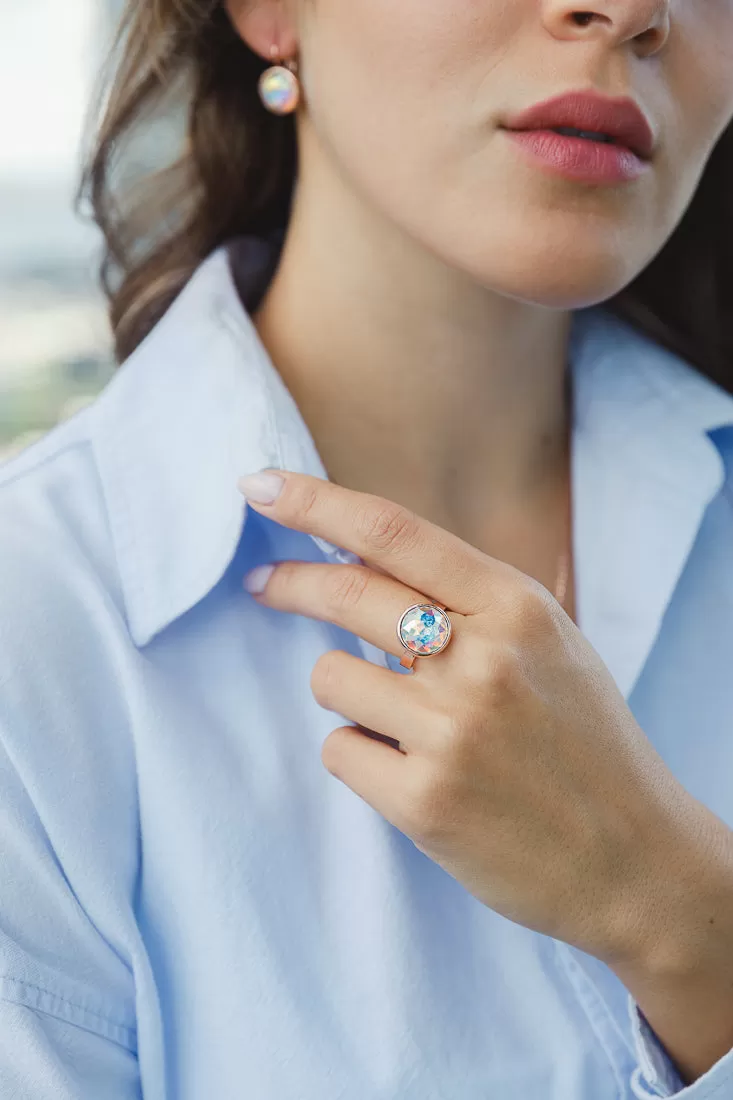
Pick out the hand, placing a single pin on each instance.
(523, 773)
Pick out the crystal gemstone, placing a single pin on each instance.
(424, 629)
(279, 89)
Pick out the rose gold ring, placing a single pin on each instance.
(424, 630)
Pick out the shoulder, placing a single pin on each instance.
(55, 548)
(63, 638)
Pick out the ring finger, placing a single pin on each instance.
(354, 597)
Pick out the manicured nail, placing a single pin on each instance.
(257, 578)
(262, 488)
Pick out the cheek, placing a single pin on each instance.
(693, 100)
(397, 89)
(701, 70)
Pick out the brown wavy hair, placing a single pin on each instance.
(232, 168)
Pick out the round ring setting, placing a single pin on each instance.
(423, 630)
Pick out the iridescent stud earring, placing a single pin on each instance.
(279, 86)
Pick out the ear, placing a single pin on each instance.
(263, 24)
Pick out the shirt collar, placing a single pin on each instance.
(646, 466)
(196, 405)
(199, 403)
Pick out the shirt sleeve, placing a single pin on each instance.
(48, 1057)
(67, 1030)
(657, 1076)
(68, 834)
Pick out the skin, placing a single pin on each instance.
(464, 260)
(425, 294)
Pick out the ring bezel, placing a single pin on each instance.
(425, 606)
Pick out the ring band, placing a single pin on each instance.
(424, 630)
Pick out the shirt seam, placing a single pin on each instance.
(26, 994)
(5, 480)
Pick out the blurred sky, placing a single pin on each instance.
(55, 341)
(50, 51)
(47, 58)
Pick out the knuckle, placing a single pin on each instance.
(287, 574)
(390, 527)
(476, 654)
(463, 737)
(346, 587)
(504, 676)
(429, 804)
(299, 499)
(488, 664)
(529, 616)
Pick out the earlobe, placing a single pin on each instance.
(262, 24)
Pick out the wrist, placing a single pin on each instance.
(675, 921)
(678, 963)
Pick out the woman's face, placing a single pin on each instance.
(405, 98)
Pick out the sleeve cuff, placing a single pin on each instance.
(656, 1075)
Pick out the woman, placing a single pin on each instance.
(508, 872)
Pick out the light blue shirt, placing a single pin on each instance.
(191, 906)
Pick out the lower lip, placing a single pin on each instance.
(580, 158)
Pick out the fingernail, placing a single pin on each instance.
(257, 578)
(262, 488)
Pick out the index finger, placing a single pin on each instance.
(387, 535)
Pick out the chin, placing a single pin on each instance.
(565, 297)
(562, 260)
(572, 279)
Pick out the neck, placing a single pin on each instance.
(417, 383)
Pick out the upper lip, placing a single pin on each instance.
(620, 118)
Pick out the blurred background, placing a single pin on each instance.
(55, 343)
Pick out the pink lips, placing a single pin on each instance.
(579, 158)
